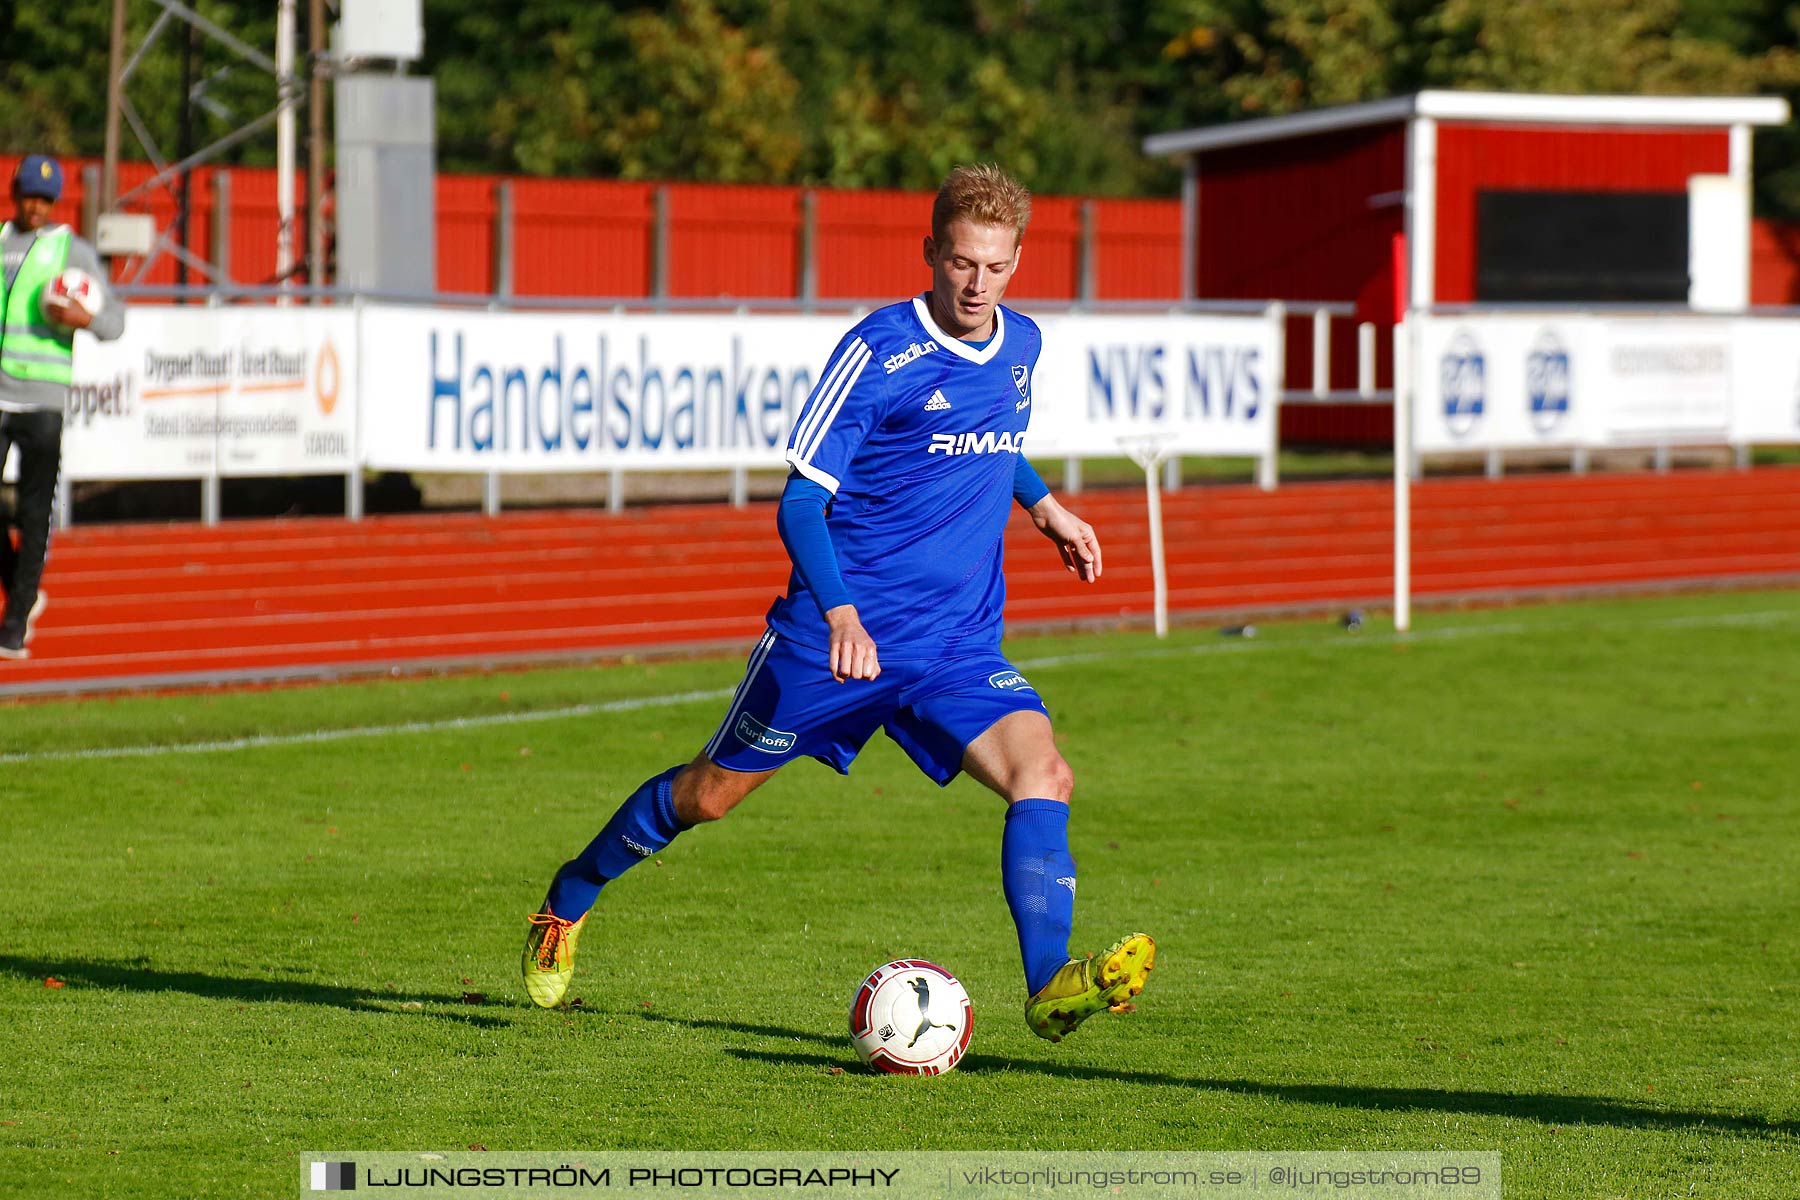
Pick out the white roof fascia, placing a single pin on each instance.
(1483, 106)
(1268, 129)
(1604, 110)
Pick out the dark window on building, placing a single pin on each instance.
(1581, 246)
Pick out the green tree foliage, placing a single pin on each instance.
(855, 93)
(53, 77)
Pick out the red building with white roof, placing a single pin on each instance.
(1468, 197)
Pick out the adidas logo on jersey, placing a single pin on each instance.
(895, 361)
(937, 403)
(977, 443)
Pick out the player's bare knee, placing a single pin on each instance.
(1060, 781)
(698, 796)
(705, 792)
(1048, 779)
(707, 805)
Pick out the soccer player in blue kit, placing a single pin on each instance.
(906, 460)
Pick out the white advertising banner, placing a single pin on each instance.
(519, 392)
(1503, 382)
(187, 391)
(1666, 380)
(1518, 380)
(516, 392)
(1194, 384)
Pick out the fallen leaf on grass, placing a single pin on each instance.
(474, 997)
(834, 1070)
(413, 1005)
(477, 1146)
(54, 982)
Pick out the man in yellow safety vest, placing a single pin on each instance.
(37, 355)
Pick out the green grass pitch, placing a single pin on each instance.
(1527, 880)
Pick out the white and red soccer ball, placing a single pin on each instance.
(911, 1017)
(74, 286)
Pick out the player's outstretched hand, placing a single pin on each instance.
(852, 649)
(1075, 539)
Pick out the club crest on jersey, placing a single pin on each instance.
(977, 443)
(1022, 381)
(894, 362)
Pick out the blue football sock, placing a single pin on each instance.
(644, 824)
(1038, 874)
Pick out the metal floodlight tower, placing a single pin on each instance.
(123, 62)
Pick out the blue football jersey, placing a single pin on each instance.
(916, 435)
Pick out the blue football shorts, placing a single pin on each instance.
(789, 706)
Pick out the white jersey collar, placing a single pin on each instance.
(957, 346)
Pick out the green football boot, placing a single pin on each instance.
(1082, 987)
(549, 959)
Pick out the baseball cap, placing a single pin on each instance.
(38, 175)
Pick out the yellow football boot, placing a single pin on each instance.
(1082, 987)
(549, 959)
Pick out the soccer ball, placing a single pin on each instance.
(911, 1017)
(73, 286)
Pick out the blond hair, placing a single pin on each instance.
(983, 194)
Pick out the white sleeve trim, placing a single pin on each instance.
(824, 479)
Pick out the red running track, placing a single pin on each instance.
(135, 606)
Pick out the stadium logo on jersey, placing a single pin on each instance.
(1547, 381)
(976, 443)
(1009, 681)
(937, 403)
(754, 733)
(1462, 374)
(1022, 381)
(894, 362)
